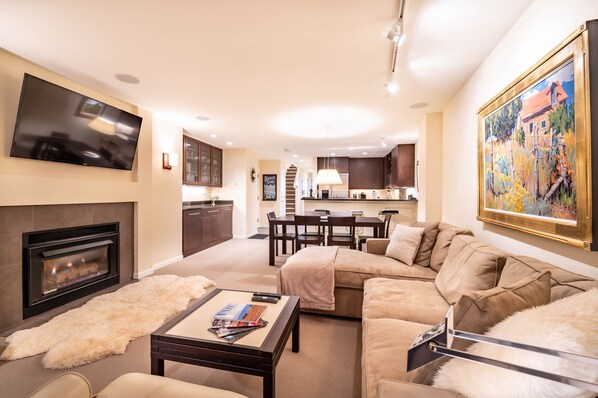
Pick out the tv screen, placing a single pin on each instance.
(60, 125)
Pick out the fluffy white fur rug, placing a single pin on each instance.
(569, 324)
(106, 324)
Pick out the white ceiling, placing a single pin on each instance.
(306, 75)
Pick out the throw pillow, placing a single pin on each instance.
(568, 324)
(425, 248)
(475, 312)
(443, 241)
(469, 265)
(404, 243)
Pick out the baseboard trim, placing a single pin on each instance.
(157, 266)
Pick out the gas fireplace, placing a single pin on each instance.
(63, 265)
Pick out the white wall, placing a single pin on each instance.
(429, 170)
(237, 186)
(541, 28)
(152, 189)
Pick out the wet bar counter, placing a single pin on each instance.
(370, 207)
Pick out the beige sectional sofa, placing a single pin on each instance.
(397, 302)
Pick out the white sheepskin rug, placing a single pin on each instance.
(569, 324)
(106, 324)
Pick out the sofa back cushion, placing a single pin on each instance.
(428, 239)
(477, 311)
(470, 265)
(404, 243)
(446, 233)
(564, 283)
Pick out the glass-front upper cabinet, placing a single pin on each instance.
(190, 164)
(205, 164)
(216, 167)
(202, 163)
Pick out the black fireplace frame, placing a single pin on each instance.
(52, 243)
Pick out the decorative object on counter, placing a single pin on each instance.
(374, 195)
(214, 198)
(362, 196)
(253, 175)
(403, 193)
(311, 192)
(269, 186)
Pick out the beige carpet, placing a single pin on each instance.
(107, 323)
(328, 364)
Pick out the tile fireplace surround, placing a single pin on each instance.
(14, 220)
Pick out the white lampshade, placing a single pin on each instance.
(328, 177)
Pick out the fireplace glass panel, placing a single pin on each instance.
(71, 269)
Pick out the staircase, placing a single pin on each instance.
(290, 190)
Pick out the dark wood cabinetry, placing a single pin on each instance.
(202, 163)
(399, 167)
(206, 227)
(366, 173)
(341, 164)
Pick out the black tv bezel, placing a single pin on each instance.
(27, 76)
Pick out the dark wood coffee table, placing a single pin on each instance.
(186, 338)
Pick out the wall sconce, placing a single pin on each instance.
(170, 160)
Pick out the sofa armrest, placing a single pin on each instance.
(395, 388)
(377, 245)
(66, 385)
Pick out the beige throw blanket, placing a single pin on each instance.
(309, 274)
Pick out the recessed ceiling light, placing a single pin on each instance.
(125, 78)
(351, 148)
(229, 142)
(214, 135)
(418, 105)
(301, 160)
(202, 118)
(364, 153)
(295, 155)
(332, 154)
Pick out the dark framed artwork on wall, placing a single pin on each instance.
(269, 186)
(535, 148)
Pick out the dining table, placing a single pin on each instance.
(360, 221)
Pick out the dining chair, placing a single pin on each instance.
(361, 239)
(280, 236)
(347, 223)
(305, 237)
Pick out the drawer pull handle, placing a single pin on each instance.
(193, 214)
(212, 211)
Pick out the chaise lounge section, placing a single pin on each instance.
(397, 301)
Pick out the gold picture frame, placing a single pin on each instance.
(534, 149)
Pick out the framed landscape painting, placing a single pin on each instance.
(534, 149)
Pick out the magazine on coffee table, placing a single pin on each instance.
(237, 320)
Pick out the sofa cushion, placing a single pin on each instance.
(564, 283)
(445, 236)
(469, 265)
(427, 244)
(139, 385)
(568, 324)
(395, 388)
(384, 351)
(404, 243)
(409, 300)
(475, 312)
(353, 267)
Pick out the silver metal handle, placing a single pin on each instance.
(194, 214)
(212, 211)
(73, 249)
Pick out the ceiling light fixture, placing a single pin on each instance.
(364, 153)
(383, 143)
(214, 135)
(229, 143)
(395, 33)
(328, 175)
(203, 118)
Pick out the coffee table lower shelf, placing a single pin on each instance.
(259, 359)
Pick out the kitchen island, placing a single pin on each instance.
(370, 207)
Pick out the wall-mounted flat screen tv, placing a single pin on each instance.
(60, 125)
